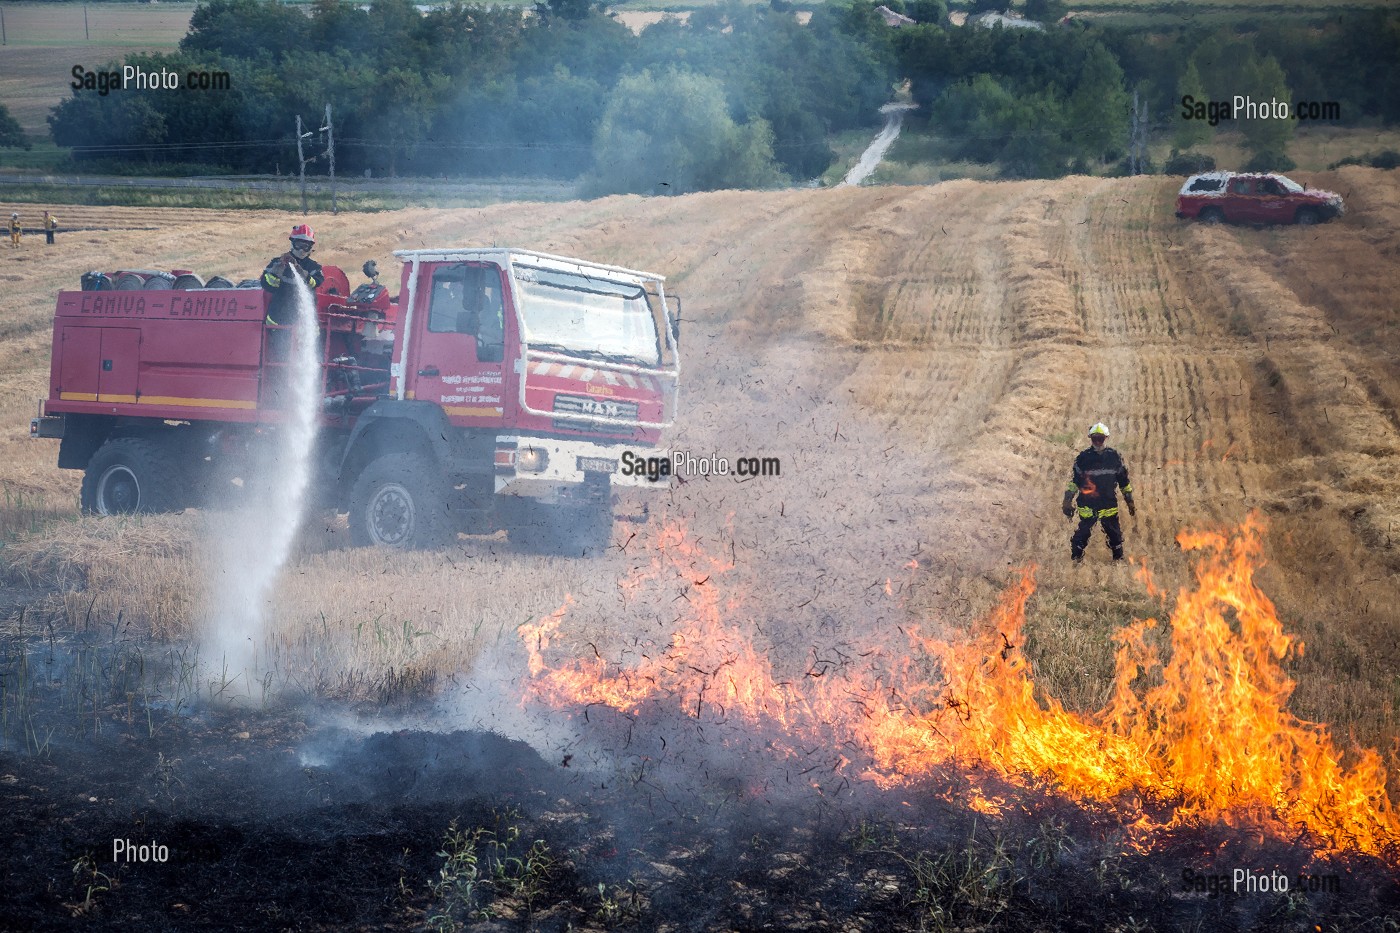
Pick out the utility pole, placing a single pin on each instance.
(86, 34)
(1146, 156)
(329, 130)
(301, 160)
(1133, 157)
(4, 40)
(1134, 162)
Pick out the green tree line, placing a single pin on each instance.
(738, 95)
(470, 90)
(1044, 102)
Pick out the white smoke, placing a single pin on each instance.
(255, 538)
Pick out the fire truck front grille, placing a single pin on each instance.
(565, 405)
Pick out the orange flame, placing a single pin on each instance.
(1212, 740)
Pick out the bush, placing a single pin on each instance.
(672, 134)
(1269, 162)
(934, 12)
(11, 133)
(1385, 159)
(1123, 168)
(1046, 11)
(1188, 163)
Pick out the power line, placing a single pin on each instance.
(251, 144)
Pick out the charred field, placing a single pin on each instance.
(867, 694)
(303, 818)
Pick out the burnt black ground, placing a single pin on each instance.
(278, 820)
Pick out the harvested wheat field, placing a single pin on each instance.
(43, 41)
(880, 665)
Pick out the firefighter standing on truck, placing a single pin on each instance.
(1097, 471)
(277, 277)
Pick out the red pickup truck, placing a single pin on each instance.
(1254, 199)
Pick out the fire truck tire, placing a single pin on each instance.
(399, 501)
(1212, 216)
(128, 475)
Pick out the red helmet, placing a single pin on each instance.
(303, 232)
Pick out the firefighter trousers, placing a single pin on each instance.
(1111, 529)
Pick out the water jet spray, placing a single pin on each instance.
(255, 539)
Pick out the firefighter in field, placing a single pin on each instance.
(50, 225)
(1097, 471)
(277, 277)
(14, 230)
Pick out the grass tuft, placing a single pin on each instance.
(485, 874)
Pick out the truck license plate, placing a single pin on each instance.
(597, 465)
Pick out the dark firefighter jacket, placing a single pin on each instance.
(277, 275)
(1096, 473)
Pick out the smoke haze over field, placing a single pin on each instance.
(923, 362)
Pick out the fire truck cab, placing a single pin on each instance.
(499, 389)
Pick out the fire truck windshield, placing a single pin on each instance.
(592, 317)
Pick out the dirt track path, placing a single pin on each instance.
(870, 159)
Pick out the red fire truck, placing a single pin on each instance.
(499, 389)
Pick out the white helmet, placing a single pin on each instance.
(1099, 428)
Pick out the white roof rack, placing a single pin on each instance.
(509, 255)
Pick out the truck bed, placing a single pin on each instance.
(203, 354)
(188, 354)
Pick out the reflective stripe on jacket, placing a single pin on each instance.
(310, 272)
(1096, 475)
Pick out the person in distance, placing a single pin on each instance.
(1098, 471)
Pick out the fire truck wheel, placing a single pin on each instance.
(129, 475)
(399, 502)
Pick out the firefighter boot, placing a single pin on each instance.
(1118, 553)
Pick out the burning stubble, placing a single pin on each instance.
(1207, 737)
(254, 539)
